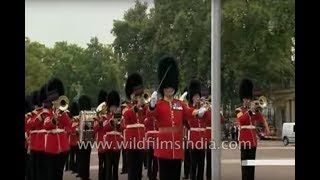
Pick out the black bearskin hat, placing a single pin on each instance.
(84, 103)
(55, 89)
(134, 84)
(245, 90)
(102, 96)
(42, 95)
(74, 109)
(169, 72)
(113, 99)
(28, 106)
(193, 89)
(35, 97)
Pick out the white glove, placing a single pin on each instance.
(153, 99)
(201, 111)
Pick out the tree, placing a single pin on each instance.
(36, 71)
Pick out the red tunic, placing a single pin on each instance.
(74, 136)
(134, 132)
(248, 135)
(27, 118)
(99, 132)
(56, 139)
(196, 138)
(170, 116)
(113, 136)
(37, 133)
(152, 130)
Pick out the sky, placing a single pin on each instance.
(74, 21)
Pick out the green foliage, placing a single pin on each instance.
(256, 42)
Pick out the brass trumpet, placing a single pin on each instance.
(62, 103)
(260, 103)
(146, 96)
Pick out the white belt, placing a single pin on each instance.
(248, 127)
(137, 125)
(197, 129)
(113, 133)
(153, 131)
(38, 131)
(208, 128)
(56, 131)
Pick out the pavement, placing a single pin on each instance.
(231, 164)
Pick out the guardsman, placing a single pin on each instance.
(124, 170)
(37, 136)
(170, 113)
(27, 116)
(84, 151)
(57, 123)
(113, 135)
(99, 132)
(247, 118)
(74, 136)
(196, 139)
(152, 131)
(133, 121)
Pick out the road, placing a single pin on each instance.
(230, 163)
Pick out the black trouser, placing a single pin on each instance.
(186, 163)
(67, 163)
(248, 153)
(38, 167)
(102, 165)
(73, 158)
(84, 162)
(145, 159)
(169, 169)
(134, 158)
(55, 165)
(112, 164)
(197, 163)
(124, 161)
(208, 160)
(152, 164)
(28, 165)
(233, 136)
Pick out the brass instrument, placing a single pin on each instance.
(118, 118)
(62, 103)
(146, 96)
(101, 109)
(86, 132)
(260, 103)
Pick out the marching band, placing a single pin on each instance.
(138, 127)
